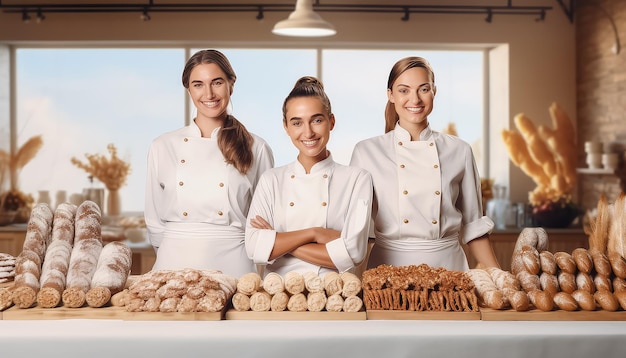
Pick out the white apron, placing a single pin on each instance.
(203, 246)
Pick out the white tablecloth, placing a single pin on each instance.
(151, 339)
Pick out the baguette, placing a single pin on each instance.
(565, 262)
(565, 301)
(583, 260)
(112, 271)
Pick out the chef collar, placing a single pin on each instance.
(403, 135)
(319, 167)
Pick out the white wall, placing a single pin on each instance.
(541, 55)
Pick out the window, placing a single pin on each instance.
(82, 99)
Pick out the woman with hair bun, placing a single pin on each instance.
(201, 177)
(312, 214)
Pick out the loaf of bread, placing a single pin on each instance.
(57, 258)
(528, 281)
(585, 300)
(316, 301)
(312, 282)
(548, 263)
(112, 271)
(334, 303)
(618, 264)
(351, 284)
(279, 302)
(541, 300)
(621, 299)
(29, 262)
(619, 284)
(565, 262)
(487, 291)
(583, 260)
(606, 300)
(294, 282)
(249, 283)
(85, 254)
(567, 282)
(549, 283)
(602, 283)
(241, 301)
(273, 283)
(565, 301)
(585, 282)
(332, 283)
(297, 303)
(535, 238)
(601, 263)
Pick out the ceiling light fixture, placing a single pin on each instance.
(25, 17)
(40, 16)
(304, 22)
(145, 16)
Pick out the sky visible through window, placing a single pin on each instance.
(80, 100)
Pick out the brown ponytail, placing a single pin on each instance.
(234, 140)
(391, 116)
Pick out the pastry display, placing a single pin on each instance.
(7, 267)
(186, 290)
(418, 288)
(299, 292)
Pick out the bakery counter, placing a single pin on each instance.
(362, 339)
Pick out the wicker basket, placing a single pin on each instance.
(7, 217)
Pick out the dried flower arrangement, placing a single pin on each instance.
(112, 172)
(10, 166)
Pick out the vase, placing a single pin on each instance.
(113, 203)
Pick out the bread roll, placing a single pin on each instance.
(549, 283)
(312, 282)
(565, 262)
(273, 283)
(541, 300)
(528, 281)
(249, 283)
(565, 301)
(352, 304)
(332, 283)
(583, 260)
(585, 300)
(619, 284)
(518, 300)
(260, 301)
(601, 263)
(530, 259)
(585, 282)
(316, 301)
(241, 301)
(548, 263)
(297, 303)
(618, 264)
(606, 300)
(6, 297)
(334, 303)
(351, 284)
(567, 282)
(279, 302)
(602, 283)
(621, 299)
(294, 282)
(503, 279)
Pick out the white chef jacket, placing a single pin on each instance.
(331, 196)
(196, 204)
(427, 198)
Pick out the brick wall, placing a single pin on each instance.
(601, 90)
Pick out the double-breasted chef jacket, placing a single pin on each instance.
(427, 198)
(196, 203)
(331, 196)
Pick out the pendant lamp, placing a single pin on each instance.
(304, 22)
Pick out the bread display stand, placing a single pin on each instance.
(421, 315)
(233, 314)
(488, 314)
(111, 312)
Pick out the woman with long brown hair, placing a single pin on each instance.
(427, 198)
(201, 177)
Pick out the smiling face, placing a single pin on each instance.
(210, 91)
(412, 95)
(308, 124)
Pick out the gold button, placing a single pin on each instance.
(186, 139)
(405, 192)
(220, 213)
(292, 176)
(323, 203)
(435, 166)
(291, 204)
(437, 192)
(221, 185)
(402, 166)
(180, 183)
(184, 213)
(399, 143)
(406, 221)
(431, 144)
(182, 161)
(434, 222)
(325, 176)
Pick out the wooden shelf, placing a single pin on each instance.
(620, 173)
